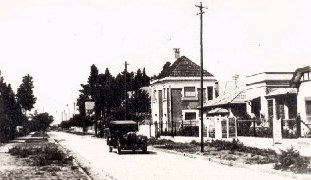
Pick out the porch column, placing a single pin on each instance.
(277, 131)
(263, 105)
(218, 130)
(286, 115)
(286, 111)
(248, 107)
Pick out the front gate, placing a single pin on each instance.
(221, 127)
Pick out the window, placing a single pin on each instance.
(209, 93)
(190, 116)
(189, 91)
(306, 76)
(164, 93)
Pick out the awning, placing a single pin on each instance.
(218, 111)
(282, 91)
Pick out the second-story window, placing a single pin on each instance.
(189, 92)
(209, 93)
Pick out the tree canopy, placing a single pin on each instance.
(11, 114)
(25, 94)
(108, 92)
(40, 121)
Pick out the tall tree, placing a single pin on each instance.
(10, 112)
(25, 94)
(140, 105)
(93, 81)
(146, 78)
(138, 80)
(94, 92)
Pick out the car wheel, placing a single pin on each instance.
(119, 148)
(145, 148)
(110, 149)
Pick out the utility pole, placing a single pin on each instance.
(125, 73)
(201, 52)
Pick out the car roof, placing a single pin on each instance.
(123, 122)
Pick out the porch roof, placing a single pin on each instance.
(218, 111)
(282, 91)
(236, 96)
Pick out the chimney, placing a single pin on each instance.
(177, 53)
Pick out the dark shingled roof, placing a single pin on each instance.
(183, 67)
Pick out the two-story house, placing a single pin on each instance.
(175, 94)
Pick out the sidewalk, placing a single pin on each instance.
(264, 168)
(303, 145)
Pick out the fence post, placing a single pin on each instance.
(236, 128)
(227, 119)
(298, 125)
(150, 129)
(254, 126)
(190, 128)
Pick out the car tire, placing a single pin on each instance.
(144, 148)
(110, 149)
(119, 148)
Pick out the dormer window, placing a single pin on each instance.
(306, 76)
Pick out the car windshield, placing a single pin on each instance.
(123, 128)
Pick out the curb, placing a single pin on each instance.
(232, 163)
(74, 160)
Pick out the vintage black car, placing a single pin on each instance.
(123, 136)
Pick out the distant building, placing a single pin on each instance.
(301, 80)
(269, 95)
(265, 95)
(175, 94)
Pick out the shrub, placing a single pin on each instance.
(193, 142)
(19, 151)
(236, 145)
(292, 160)
(41, 154)
(163, 142)
(226, 145)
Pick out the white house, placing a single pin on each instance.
(175, 94)
(301, 80)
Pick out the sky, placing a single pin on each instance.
(56, 41)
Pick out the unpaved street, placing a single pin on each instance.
(93, 154)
